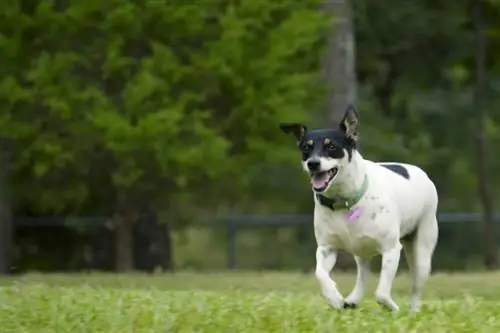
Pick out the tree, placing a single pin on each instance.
(153, 104)
(483, 164)
(6, 231)
(340, 60)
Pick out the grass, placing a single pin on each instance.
(236, 302)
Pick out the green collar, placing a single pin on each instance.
(344, 203)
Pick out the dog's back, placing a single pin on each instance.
(409, 187)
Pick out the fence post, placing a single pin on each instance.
(231, 243)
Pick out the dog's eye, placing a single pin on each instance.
(307, 147)
(331, 147)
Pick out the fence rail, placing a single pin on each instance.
(232, 224)
(291, 220)
(235, 222)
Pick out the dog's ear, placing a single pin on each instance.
(296, 128)
(349, 123)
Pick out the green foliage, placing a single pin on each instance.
(178, 104)
(151, 100)
(417, 80)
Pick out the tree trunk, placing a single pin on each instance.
(169, 257)
(385, 90)
(123, 223)
(484, 184)
(339, 65)
(339, 70)
(6, 230)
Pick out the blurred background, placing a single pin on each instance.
(143, 135)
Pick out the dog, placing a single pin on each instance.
(367, 209)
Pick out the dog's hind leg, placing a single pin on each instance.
(419, 256)
(408, 247)
(390, 263)
(363, 272)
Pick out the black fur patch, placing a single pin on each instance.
(326, 142)
(397, 168)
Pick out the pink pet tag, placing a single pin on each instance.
(354, 214)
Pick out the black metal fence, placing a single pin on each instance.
(84, 243)
(446, 220)
(45, 243)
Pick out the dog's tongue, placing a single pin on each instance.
(318, 180)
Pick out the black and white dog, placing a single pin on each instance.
(366, 209)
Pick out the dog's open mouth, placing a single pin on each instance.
(321, 180)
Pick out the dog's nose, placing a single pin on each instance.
(313, 165)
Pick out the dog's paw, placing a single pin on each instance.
(352, 301)
(348, 305)
(335, 300)
(337, 304)
(388, 304)
(385, 300)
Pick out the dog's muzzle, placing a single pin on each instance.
(321, 180)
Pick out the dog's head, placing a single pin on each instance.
(326, 152)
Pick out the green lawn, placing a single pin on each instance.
(237, 302)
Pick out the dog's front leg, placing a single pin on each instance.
(363, 272)
(326, 258)
(390, 263)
